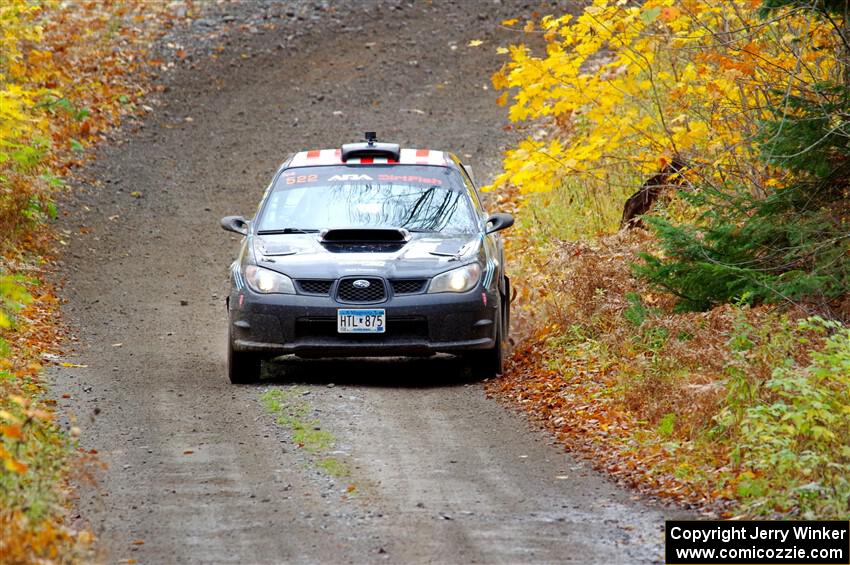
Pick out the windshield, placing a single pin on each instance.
(418, 198)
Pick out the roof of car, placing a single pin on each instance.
(407, 156)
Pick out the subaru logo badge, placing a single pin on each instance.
(360, 283)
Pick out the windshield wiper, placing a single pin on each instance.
(422, 230)
(285, 230)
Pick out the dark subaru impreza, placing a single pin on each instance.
(368, 250)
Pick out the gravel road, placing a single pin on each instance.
(403, 461)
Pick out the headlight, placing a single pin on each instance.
(267, 281)
(457, 280)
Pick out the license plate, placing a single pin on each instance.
(361, 321)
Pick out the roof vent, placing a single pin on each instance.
(371, 148)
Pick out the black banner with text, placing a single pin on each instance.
(697, 542)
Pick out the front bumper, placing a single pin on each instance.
(419, 324)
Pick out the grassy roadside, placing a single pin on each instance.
(69, 74)
(736, 410)
(294, 412)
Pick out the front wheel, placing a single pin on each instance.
(489, 363)
(243, 367)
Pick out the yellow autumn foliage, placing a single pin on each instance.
(635, 86)
(18, 24)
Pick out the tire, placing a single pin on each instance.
(489, 363)
(506, 308)
(243, 367)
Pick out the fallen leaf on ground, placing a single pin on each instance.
(13, 432)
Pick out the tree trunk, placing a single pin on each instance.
(641, 201)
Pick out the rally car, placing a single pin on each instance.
(368, 250)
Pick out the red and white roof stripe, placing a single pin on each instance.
(318, 157)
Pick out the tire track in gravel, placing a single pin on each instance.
(196, 468)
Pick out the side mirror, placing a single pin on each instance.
(498, 222)
(236, 224)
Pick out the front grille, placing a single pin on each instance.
(397, 328)
(408, 286)
(348, 292)
(315, 287)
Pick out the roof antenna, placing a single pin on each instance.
(371, 137)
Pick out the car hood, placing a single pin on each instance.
(306, 256)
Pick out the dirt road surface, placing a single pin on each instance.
(410, 462)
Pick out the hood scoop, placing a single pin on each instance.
(364, 240)
(361, 235)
